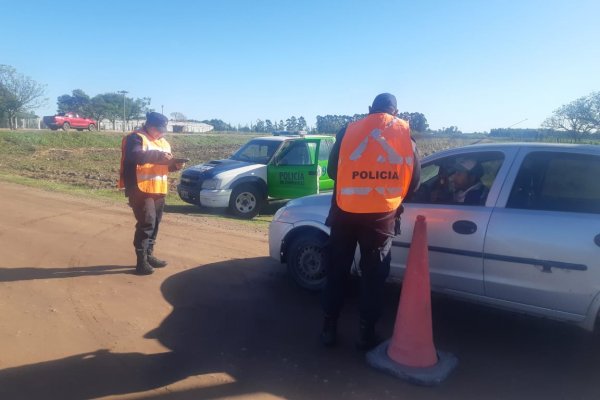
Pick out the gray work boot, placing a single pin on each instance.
(142, 267)
(329, 331)
(155, 262)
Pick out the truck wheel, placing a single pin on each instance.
(66, 126)
(306, 262)
(245, 201)
(91, 127)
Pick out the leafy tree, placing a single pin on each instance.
(269, 127)
(99, 107)
(417, 121)
(78, 102)
(219, 125)
(177, 116)
(578, 118)
(301, 123)
(260, 126)
(291, 124)
(18, 94)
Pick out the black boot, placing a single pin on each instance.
(142, 267)
(366, 336)
(329, 332)
(155, 262)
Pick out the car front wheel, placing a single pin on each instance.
(91, 127)
(245, 201)
(306, 261)
(66, 126)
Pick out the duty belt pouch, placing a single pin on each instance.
(397, 219)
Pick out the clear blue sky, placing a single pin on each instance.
(473, 64)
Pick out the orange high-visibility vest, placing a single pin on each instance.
(151, 178)
(375, 164)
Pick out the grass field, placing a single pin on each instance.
(87, 163)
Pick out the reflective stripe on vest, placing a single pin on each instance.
(375, 164)
(151, 178)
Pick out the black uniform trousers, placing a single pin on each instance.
(148, 210)
(373, 233)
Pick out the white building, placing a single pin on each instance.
(172, 126)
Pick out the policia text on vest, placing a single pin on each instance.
(375, 175)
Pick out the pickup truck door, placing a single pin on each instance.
(456, 231)
(293, 171)
(325, 146)
(542, 247)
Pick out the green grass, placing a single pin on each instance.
(87, 164)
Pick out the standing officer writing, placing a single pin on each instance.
(375, 166)
(146, 160)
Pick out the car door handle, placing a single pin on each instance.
(464, 227)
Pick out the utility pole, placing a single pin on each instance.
(123, 92)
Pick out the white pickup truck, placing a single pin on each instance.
(272, 167)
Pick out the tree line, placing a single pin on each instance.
(333, 123)
(20, 96)
(110, 106)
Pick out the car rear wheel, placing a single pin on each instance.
(306, 261)
(245, 201)
(91, 127)
(66, 126)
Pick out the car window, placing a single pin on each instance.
(256, 151)
(297, 152)
(325, 149)
(463, 179)
(557, 181)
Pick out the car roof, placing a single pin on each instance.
(291, 137)
(517, 145)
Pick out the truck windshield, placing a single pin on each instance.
(257, 151)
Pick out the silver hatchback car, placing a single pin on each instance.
(528, 241)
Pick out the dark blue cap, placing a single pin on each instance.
(384, 102)
(156, 120)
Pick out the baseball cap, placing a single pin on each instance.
(384, 102)
(157, 120)
(470, 166)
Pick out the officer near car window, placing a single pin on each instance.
(375, 166)
(146, 160)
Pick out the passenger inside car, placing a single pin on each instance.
(466, 183)
(459, 183)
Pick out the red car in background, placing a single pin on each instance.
(66, 121)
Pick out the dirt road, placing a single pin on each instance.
(223, 320)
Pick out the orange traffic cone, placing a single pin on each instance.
(410, 353)
(412, 341)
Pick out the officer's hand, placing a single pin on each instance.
(167, 156)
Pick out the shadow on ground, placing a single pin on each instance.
(245, 318)
(266, 211)
(26, 274)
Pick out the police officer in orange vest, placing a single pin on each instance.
(375, 166)
(146, 160)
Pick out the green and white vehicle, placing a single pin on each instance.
(265, 168)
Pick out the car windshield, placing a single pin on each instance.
(257, 151)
